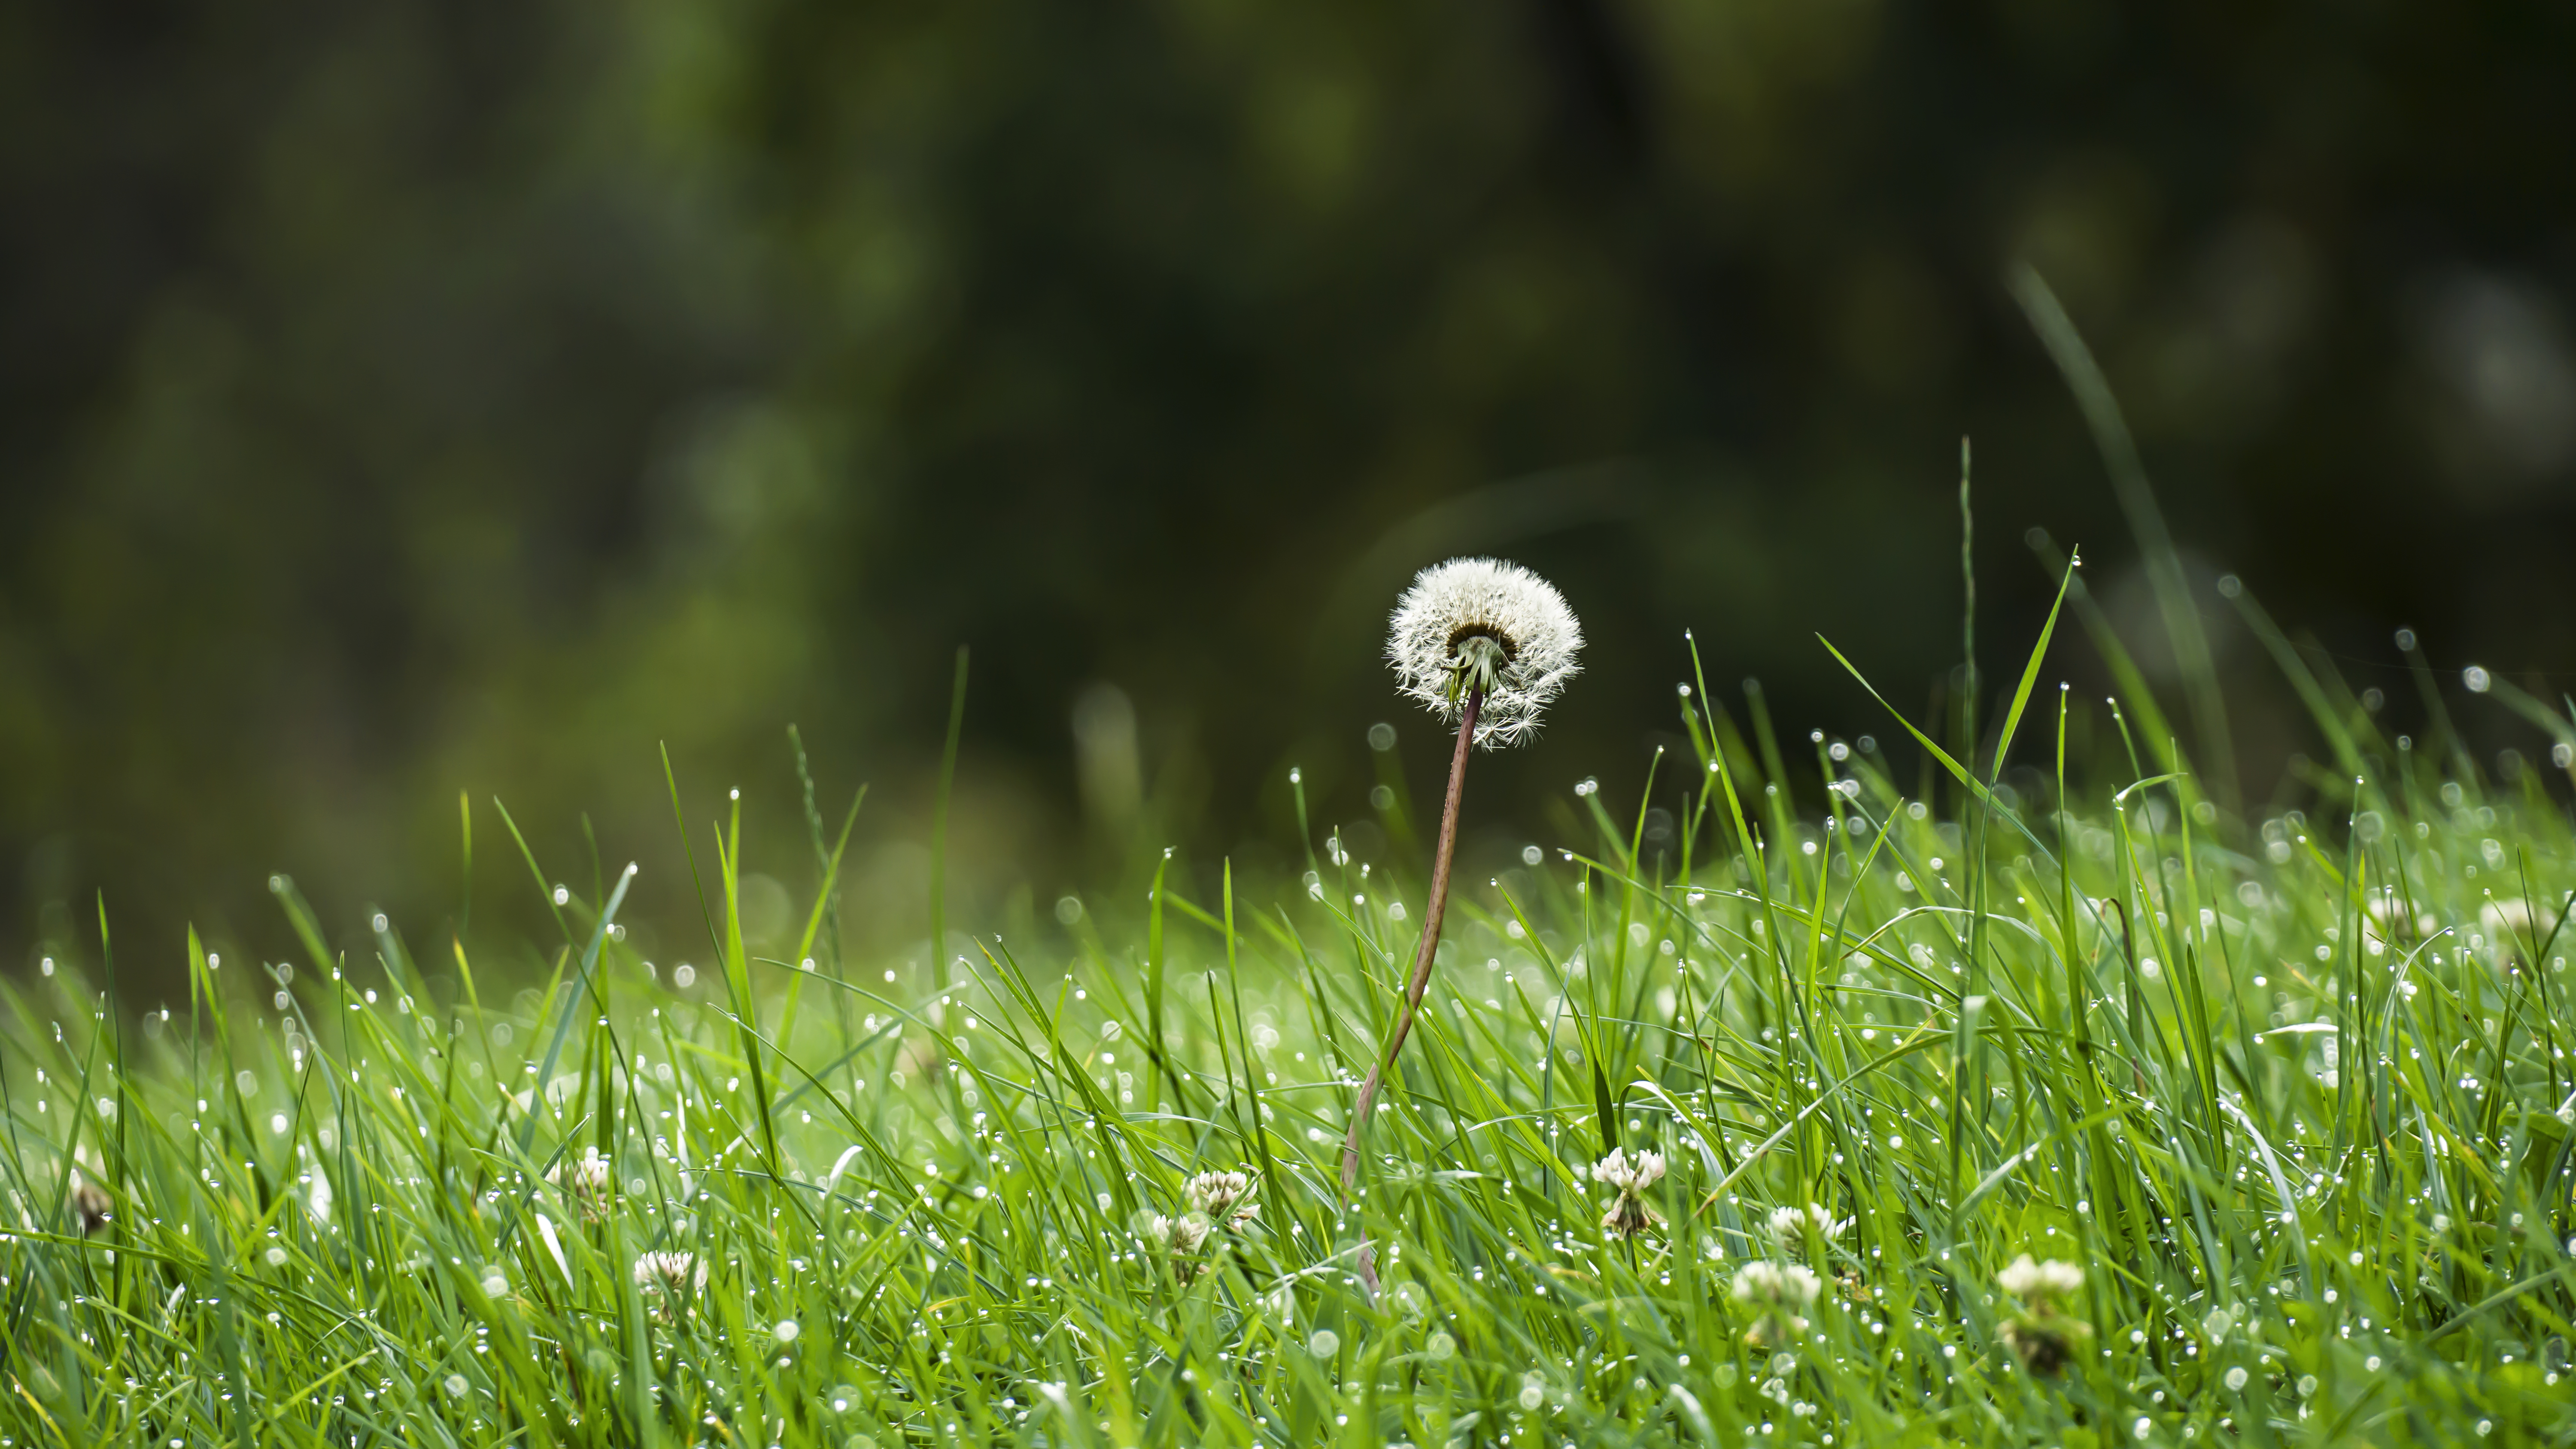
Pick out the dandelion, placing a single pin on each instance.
(1222, 1197)
(668, 1278)
(1487, 644)
(587, 1182)
(1780, 1294)
(2043, 1336)
(1628, 1214)
(91, 1204)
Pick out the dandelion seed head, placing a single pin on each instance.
(1495, 621)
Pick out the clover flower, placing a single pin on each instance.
(2031, 1281)
(1223, 1197)
(1489, 629)
(1789, 1225)
(2043, 1335)
(1780, 1294)
(1626, 1174)
(1183, 1235)
(587, 1183)
(669, 1278)
(1628, 1214)
(91, 1204)
(1179, 1239)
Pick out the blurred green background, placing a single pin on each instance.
(400, 399)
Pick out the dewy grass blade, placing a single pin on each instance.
(2137, 498)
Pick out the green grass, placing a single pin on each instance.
(2288, 1089)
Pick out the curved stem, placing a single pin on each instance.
(1430, 944)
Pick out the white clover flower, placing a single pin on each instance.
(1800, 1285)
(586, 1182)
(91, 1205)
(668, 1277)
(1789, 1225)
(1222, 1197)
(1481, 623)
(1767, 1285)
(2042, 1335)
(2052, 1279)
(2020, 1278)
(1628, 1214)
(1629, 1175)
(1180, 1236)
(1780, 1293)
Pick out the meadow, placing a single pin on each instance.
(2276, 1104)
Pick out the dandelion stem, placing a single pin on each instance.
(1430, 942)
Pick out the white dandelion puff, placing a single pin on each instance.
(1483, 624)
